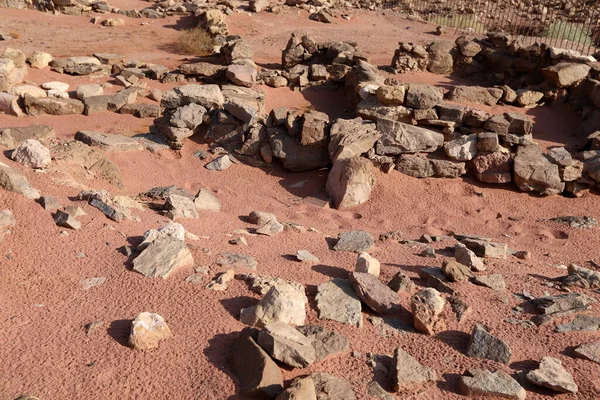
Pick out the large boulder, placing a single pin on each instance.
(351, 137)
(565, 74)
(475, 95)
(350, 181)
(398, 137)
(282, 303)
(533, 172)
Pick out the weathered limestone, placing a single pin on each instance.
(285, 344)
(410, 376)
(427, 307)
(337, 301)
(350, 181)
(282, 303)
(147, 330)
(108, 142)
(552, 375)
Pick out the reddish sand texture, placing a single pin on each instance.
(43, 306)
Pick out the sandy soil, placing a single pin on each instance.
(43, 306)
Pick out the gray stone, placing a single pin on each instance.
(52, 106)
(462, 149)
(189, 116)
(534, 172)
(481, 382)
(13, 181)
(305, 255)
(588, 351)
(427, 307)
(398, 137)
(581, 277)
(12, 137)
(467, 257)
(475, 95)
(486, 346)
(208, 96)
(206, 200)
(487, 249)
(325, 342)
(337, 301)
(329, 387)
(409, 375)
(581, 323)
(236, 260)
(421, 96)
(356, 241)
(565, 74)
(242, 75)
(302, 388)
(220, 163)
(287, 345)
(66, 220)
(31, 153)
(552, 375)
(562, 303)
(163, 257)
(282, 303)
(178, 207)
(108, 142)
(493, 281)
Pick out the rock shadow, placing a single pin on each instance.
(235, 304)
(328, 270)
(119, 330)
(457, 340)
(449, 383)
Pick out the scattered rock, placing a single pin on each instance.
(588, 351)
(147, 330)
(350, 181)
(366, 263)
(402, 283)
(337, 301)
(481, 382)
(220, 163)
(329, 387)
(236, 260)
(409, 375)
(466, 257)
(484, 345)
(32, 153)
(493, 281)
(356, 241)
(455, 271)
(285, 344)
(282, 303)
(552, 375)
(257, 373)
(162, 257)
(271, 228)
(206, 200)
(326, 342)
(13, 181)
(374, 294)
(66, 220)
(581, 323)
(220, 282)
(305, 255)
(427, 307)
(108, 142)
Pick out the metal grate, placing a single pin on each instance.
(570, 25)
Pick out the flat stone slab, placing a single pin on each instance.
(162, 257)
(481, 382)
(108, 142)
(337, 301)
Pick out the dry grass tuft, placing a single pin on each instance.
(15, 35)
(195, 41)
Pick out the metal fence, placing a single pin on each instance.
(572, 25)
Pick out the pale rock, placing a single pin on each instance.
(462, 149)
(147, 330)
(552, 375)
(409, 375)
(305, 255)
(206, 200)
(481, 382)
(39, 59)
(55, 85)
(260, 217)
(90, 90)
(350, 181)
(466, 257)
(282, 303)
(427, 307)
(220, 163)
(368, 264)
(32, 153)
(30, 90)
(287, 345)
(337, 301)
(270, 228)
(108, 142)
(162, 257)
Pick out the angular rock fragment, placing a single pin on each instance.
(366, 263)
(374, 293)
(205, 200)
(32, 153)
(427, 307)
(493, 281)
(282, 303)
(108, 142)
(350, 181)
(220, 163)
(487, 249)
(409, 375)
(466, 257)
(178, 207)
(13, 181)
(456, 271)
(486, 346)
(326, 342)
(52, 106)
(581, 323)
(300, 389)
(337, 301)
(356, 241)
(236, 260)
(162, 257)
(147, 330)
(552, 375)
(305, 255)
(257, 373)
(270, 228)
(534, 172)
(588, 351)
(581, 277)
(66, 220)
(285, 344)
(481, 382)
(402, 283)
(398, 137)
(329, 387)
(563, 302)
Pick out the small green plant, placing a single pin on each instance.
(195, 41)
(571, 32)
(458, 22)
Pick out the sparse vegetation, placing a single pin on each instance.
(195, 41)
(15, 35)
(571, 32)
(469, 22)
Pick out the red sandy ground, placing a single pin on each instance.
(43, 306)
